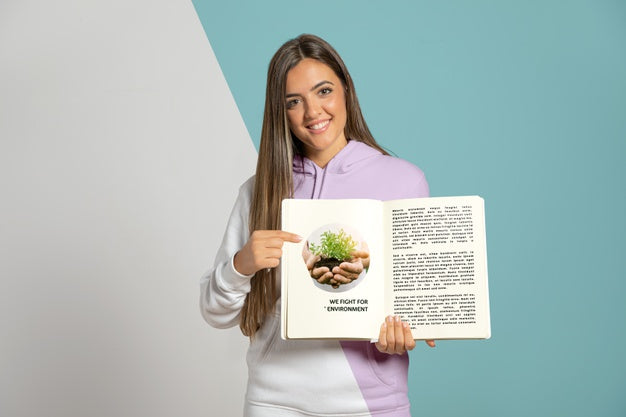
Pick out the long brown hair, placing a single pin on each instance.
(274, 181)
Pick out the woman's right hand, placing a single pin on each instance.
(263, 250)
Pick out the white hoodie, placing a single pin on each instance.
(314, 377)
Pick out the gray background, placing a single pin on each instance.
(121, 150)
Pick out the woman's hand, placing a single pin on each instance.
(263, 250)
(395, 337)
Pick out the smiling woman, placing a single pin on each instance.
(314, 144)
(316, 109)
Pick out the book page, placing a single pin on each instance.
(312, 309)
(439, 266)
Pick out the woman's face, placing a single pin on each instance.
(316, 109)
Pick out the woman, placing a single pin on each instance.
(314, 144)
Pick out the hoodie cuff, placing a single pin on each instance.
(232, 267)
(232, 280)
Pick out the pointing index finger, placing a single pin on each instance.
(288, 237)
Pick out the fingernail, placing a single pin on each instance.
(405, 325)
(390, 319)
(397, 318)
(384, 324)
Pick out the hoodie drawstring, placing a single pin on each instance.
(319, 193)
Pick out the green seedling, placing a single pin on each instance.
(337, 246)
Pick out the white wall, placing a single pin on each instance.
(121, 150)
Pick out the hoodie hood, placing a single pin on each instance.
(310, 179)
(346, 159)
(358, 171)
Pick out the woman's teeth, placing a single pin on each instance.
(319, 125)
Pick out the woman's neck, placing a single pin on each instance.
(321, 158)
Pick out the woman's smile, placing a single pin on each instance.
(319, 127)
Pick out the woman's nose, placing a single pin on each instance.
(313, 109)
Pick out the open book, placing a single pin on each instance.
(423, 259)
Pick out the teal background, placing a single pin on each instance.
(523, 103)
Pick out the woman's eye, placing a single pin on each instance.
(325, 91)
(292, 103)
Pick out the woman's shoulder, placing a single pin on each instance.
(402, 178)
(392, 164)
(244, 195)
(248, 186)
(401, 164)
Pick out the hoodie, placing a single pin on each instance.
(314, 377)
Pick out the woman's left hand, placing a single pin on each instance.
(395, 337)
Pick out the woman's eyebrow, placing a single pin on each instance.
(321, 83)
